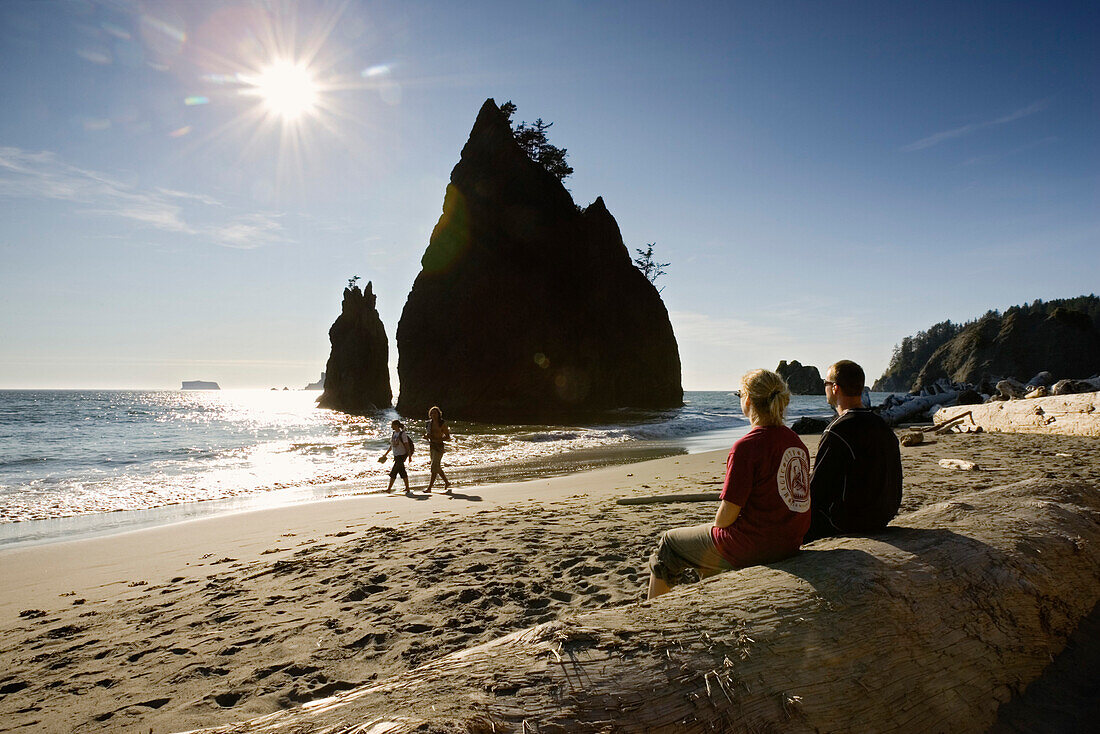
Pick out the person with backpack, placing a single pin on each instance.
(402, 447)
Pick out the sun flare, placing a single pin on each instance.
(287, 89)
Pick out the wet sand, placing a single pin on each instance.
(226, 618)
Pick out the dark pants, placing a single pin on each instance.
(398, 469)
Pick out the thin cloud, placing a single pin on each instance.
(994, 157)
(249, 232)
(43, 175)
(959, 132)
(702, 329)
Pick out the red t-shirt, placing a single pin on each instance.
(768, 475)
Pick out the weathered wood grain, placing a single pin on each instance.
(924, 628)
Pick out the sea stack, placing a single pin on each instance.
(357, 377)
(801, 379)
(527, 308)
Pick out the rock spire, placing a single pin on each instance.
(357, 376)
(527, 308)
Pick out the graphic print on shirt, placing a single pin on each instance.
(793, 479)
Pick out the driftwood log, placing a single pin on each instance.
(927, 627)
(667, 499)
(1065, 415)
(916, 407)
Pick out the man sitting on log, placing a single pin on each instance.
(856, 482)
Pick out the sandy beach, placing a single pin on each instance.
(222, 619)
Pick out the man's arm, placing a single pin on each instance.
(830, 468)
(727, 513)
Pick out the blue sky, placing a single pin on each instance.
(825, 179)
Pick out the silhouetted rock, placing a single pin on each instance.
(969, 397)
(357, 376)
(1069, 387)
(1064, 344)
(1043, 379)
(1011, 389)
(801, 379)
(527, 308)
(806, 424)
(319, 385)
(199, 385)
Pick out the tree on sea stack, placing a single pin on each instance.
(526, 308)
(927, 627)
(648, 264)
(535, 142)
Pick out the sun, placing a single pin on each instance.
(287, 89)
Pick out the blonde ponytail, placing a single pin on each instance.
(768, 397)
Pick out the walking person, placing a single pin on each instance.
(402, 447)
(437, 433)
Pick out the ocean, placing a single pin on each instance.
(75, 463)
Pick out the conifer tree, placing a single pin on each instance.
(535, 142)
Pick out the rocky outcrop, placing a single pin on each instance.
(527, 308)
(801, 379)
(1066, 344)
(1039, 342)
(319, 385)
(809, 425)
(199, 385)
(357, 376)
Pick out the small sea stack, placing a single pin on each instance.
(801, 379)
(357, 377)
(528, 308)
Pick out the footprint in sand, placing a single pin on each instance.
(227, 700)
(13, 687)
(359, 593)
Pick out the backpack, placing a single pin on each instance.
(408, 443)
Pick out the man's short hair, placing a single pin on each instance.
(849, 377)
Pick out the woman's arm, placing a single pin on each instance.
(727, 513)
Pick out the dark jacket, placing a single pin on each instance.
(856, 482)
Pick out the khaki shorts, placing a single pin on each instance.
(437, 458)
(681, 549)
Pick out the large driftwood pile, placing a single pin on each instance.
(926, 627)
(1065, 415)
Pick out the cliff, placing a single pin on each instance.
(357, 377)
(527, 308)
(1065, 343)
(1060, 336)
(801, 379)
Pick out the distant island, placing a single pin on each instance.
(199, 385)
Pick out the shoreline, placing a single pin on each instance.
(46, 570)
(29, 533)
(222, 619)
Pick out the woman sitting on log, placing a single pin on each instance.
(764, 506)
